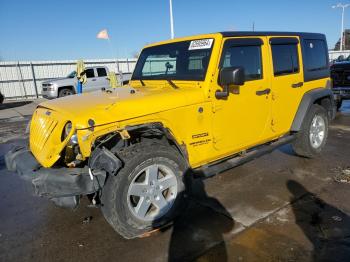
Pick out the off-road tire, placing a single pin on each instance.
(114, 203)
(302, 144)
(65, 92)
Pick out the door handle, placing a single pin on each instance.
(263, 92)
(93, 79)
(297, 85)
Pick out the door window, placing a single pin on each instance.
(285, 59)
(248, 57)
(90, 73)
(101, 72)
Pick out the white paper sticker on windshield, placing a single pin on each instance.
(201, 44)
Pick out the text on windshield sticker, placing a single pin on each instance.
(201, 44)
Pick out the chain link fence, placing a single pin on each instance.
(22, 79)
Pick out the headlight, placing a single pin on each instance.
(66, 130)
(51, 88)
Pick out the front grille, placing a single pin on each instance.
(41, 127)
(340, 77)
(46, 85)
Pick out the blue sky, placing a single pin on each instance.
(66, 29)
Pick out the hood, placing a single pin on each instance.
(340, 65)
(58, 80)
(122, 103)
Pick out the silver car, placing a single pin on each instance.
(96, 79)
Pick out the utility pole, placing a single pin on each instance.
(171, 19)
(342, 6)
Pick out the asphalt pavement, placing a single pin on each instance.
(279, 207)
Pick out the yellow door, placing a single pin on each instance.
(240, 119)
(287, 82)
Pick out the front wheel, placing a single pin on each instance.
(147, 192)
(312, 137)
(65, 92)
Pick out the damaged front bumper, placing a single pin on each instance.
(62, 185)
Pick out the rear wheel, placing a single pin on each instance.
(312, 137)
(1, 98)
(65, 92)
(147, 192)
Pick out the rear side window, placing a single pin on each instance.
(248, 57)
(285, 59)
(315, 55)
(90, 73)
(101, 72)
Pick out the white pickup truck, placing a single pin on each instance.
(96, 79)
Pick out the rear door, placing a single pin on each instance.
(102, 80)
(286, 83)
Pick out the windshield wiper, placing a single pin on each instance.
(172, 84)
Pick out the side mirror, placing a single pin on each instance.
(230, 76)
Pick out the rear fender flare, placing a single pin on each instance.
(307, 101)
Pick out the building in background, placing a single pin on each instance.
(346, 40)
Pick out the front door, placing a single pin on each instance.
(239, 121)
(91, 81)
(286, 83)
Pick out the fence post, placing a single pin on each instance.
(21, 76)
(34, 80)
(127, 64)
(117, 63)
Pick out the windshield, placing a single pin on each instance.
(71, 74)
(186, 60)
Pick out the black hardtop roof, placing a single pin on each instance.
(272, 33)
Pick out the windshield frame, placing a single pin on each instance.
(137, 74)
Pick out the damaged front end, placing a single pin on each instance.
(66, 181)
(54, 164)
(58, 167)
(62, 185)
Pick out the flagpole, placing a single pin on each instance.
(104, 35)
(116, 61)
(113, 52)
(171, 19)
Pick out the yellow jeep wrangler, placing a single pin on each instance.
(195, 105)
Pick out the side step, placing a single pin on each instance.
(239, 159)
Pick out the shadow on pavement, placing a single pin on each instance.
(287, 149)
(326, 227)
(14, 104)
(200, 226)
